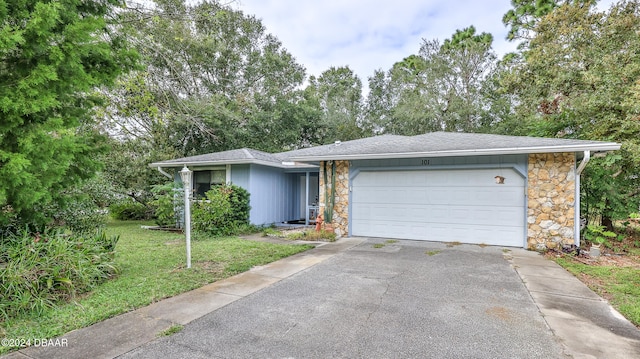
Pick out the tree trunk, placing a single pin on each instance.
(607, 222)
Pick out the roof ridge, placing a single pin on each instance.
(259, 151)
(247, 152)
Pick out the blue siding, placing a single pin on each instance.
(240, 176)
(271, 195)
(295, 195)
(275, 195)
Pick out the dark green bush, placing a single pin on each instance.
(168, 197)
(225, 211)
(79, 214)
(75, 209)
(239, 198)
(213, 214)
(127, 210)
(40, 270)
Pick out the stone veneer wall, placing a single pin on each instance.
(341, 206)
(551, 190)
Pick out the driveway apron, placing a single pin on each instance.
(406, 299)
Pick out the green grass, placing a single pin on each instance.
(431, 253)
(312, 235)
(171, 330)
(306, 235)
(152, 266)
(378, 245)
(621, 285)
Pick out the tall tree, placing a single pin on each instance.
(52, 55)
(579, 79)
(378, 108)
(214, 80)
(339, 91)
(526, 14)
(443, 88)
(214, 74)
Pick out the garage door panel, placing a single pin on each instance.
(438, 214)
(464, 233)
(396, 178)
(500, 217)
(454, 178)
(390, 195)
(373, 226)
(475, 196)
(439, 195)
(452, 205)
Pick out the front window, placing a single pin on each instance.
(203, 181)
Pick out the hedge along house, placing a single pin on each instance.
(470, 188)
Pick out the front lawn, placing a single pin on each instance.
(619, 285)
(615, 275)
(152, 266)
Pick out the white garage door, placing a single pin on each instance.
(440, 205)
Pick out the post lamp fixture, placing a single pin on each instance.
(185, 175)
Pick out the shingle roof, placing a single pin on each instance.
(446, 144)
(239, 156)
(432, 144)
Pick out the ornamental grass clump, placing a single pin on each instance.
(40, 270)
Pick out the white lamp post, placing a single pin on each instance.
(185, 174)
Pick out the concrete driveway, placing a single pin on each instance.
(407, 299)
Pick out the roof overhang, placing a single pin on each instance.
(230, 162)
(604, 147)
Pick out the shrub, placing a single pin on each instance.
(39, 270)
(167, 199)
(79, 214)
(225, 211)
(598, 234)
(101, 191)
(128, 210)
(75, 209)
(239, 198)
(213, 215)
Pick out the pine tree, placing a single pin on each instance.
(53, 54)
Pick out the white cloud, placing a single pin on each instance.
(373, 34)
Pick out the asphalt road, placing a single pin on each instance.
(407, 299)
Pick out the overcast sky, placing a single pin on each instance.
(371, 34)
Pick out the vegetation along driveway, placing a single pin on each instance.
(379, 299)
